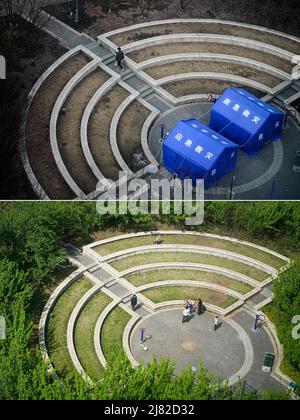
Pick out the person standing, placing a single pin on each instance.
(185, 315)
(119, 58)
(199, 306)
(216, 323)
(158, 240)
(211, 98)
(133, 302)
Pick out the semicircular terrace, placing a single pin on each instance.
(88, 320)
(88, 121)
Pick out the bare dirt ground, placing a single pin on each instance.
(207, 47)
(272, 14)
(198, 86)
(37, 129)
(28, 64)
(129, 132)
(159, 72)
(209, 28)
(69, 131)
(99, 132)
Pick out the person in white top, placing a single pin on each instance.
(185, 315)
(158, 240)
(217, 323)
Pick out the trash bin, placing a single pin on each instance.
(293, 387)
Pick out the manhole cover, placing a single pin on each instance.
(189, 345)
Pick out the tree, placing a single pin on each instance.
(32, 10)
(287, 305)
(184, 4)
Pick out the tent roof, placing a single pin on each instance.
(244, 109)
(198, 143)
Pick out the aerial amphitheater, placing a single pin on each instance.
(89, 318)
(89, 121)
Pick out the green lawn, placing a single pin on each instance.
(165, 294)
(56, 332)
(84, 335)
(120, 245)
(291, 372)
(159, 257)
(153, 276)
(112, 333)
(286, 367)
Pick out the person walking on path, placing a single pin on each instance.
(133, 302)
(119, 58)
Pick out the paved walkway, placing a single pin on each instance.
(70, 38)
(261, 344)
(66, 35)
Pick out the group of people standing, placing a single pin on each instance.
(199, 308)
(190, 308)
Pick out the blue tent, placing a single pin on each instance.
(246, 120)
(192, 150)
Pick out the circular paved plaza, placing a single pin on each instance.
(222, 352)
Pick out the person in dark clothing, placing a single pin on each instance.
(119, 58)
(217, 323)
(133, 302)
(199, 306)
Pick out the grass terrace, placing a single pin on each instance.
(181, 67)
(161, 50)
(184, 257)
(197, 240)
(205, 28)
(166, 294)
(153, 276)
(129, 132)
(99, 132)
(37, 128)
(69, 124)
(84, 335)
(112, 333)
(56, 332)
(202, 86)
